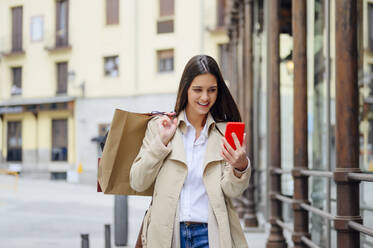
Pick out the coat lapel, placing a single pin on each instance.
(177, 144)
(213, 146)
(213, 143)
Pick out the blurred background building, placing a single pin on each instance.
(289, 63)
(65, 67)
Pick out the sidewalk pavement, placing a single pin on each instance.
(41, 213)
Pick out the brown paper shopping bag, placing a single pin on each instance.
(121, 148)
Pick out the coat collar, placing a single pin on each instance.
(213, 141)
(181, 122)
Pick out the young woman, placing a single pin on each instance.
(194, 170)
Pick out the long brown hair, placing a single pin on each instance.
(225, 108)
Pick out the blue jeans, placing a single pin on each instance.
(193, 235)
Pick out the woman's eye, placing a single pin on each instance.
(212, 90)
(197, 90)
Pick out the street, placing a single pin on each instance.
(40, 213)
(44, 213)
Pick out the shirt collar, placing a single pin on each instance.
(183, 122)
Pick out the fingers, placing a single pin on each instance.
(166, 122)
(244, 141)
(236, 141)
(226, 155)
(171, 114)
(236, 158)
(228, 147)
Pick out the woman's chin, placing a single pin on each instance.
(203, 111)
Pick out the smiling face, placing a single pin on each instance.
(202, 94)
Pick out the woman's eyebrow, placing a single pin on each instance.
(197, 86)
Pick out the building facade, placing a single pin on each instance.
(305, 70)
(65, 67)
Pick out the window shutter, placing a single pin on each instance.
(62, 78)
(17, 73)
(62, 23)
(166, 7)
(17, 29)
(112, 12)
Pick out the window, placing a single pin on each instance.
(370, 26)
(37, 28)
(112, 12)
(62, 78)
(62, 14)
(111, 66)
(220, 13)
(59, 140)
(17, 29)
(165, 60)
(165, 23)
(14, 142)
(16, 88)
(166, 7)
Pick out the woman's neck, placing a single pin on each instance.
(198, 121)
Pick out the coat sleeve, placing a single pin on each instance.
(231, 185)
(149, 160)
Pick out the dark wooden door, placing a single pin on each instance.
(14, 141)
(59, 140)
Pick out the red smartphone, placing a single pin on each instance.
(234, 127)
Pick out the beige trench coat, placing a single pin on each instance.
(166, 168)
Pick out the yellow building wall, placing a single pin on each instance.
(134, 39)
(38, 65)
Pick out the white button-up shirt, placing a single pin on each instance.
(193, 197)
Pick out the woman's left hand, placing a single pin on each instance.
(237, 158)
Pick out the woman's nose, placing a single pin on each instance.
(205, 96)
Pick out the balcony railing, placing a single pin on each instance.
(11, 45)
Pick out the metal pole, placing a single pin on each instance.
(120, 220)
(347, 112)
(299, 23)
(107, 236)
(276, 238)
(328, 129)
(250, 215)
(85, 240)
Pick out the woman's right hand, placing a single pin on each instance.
(167, 127)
